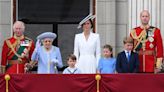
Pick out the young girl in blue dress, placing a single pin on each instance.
(107, 64)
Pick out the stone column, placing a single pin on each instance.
(5, 21)
(162, 19)
(106, 22)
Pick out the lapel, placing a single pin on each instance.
(131, 56)
(89, 37)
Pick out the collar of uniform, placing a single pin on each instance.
(19, 38)
(145, 27)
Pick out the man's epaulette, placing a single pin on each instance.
(152, 28)
(133, 34)
(9, 38)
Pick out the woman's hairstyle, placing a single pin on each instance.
(90, 22)
(109, 47)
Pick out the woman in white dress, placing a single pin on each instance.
(87, 47)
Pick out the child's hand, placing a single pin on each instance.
(97, 71)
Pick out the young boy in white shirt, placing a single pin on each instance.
(71, 69)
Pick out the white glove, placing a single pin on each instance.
(55, 61)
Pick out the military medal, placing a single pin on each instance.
(151, 39)
(25, 43)
(150, 32)
(151, 45)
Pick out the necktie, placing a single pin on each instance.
(128, 56)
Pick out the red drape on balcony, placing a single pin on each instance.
(83, 83)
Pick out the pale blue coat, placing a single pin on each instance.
(47, 59)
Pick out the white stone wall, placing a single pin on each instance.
(121, 23)
(162, 19)
(106, 22)
(112, 22)
(5, 21)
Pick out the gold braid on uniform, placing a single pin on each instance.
(139, 38)
(12, 46)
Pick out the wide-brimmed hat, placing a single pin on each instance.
(47, 35)
(90, 16)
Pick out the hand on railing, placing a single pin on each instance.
(55, 62)
(27, 67)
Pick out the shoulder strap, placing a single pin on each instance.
(9, 45)
(12, 48)
(138, 38)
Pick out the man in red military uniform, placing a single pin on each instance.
(148, 44)
(16, 51)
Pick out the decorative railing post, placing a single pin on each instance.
(98, 78)
(7, 78)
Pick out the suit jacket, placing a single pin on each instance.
(125, 66)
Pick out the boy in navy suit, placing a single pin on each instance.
(127, 60)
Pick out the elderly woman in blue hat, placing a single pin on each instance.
(87, 46)
(47, 55)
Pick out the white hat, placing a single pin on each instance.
(90, 16)
(47, 35)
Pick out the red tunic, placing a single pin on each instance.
(153, 47)
(10, 60)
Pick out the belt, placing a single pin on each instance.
(146, 52)
(16, 62)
